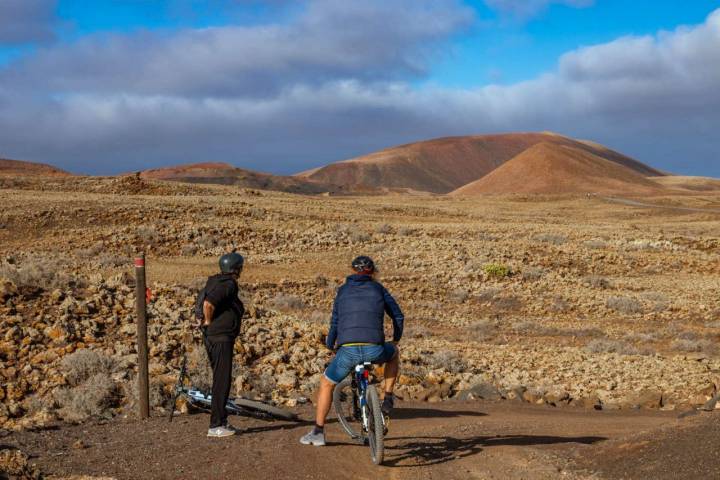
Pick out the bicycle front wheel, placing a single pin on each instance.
(347, 408)
(376, 426)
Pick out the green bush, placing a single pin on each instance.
(497, 270)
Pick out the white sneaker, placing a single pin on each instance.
(230, 427)
(312, 438)
(221, 431)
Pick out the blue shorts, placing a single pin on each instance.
(347, 358)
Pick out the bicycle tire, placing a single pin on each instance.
(264, 408)
(345, 409)
(376, 430)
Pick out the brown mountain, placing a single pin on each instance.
(226, 174)
(445, 164)
(550, 168)
(18, 167)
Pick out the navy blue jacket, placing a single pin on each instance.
(359, 312)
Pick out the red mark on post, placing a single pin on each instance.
(139, 262)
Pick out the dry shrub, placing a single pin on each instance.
(147, 235)
(597, 281)
(532, 273)
(160, 396)
(560, 305)
(384, 229)
(488, 294)
(595, 243)
(83, 364)
(284, 302)
(625, 305)
(660, 301)
(113, 260)
(550, 238)
(258, 213)
(418, 331)
(614, 346)
(506, 304)
(91, 252)
(405, 231)
(459, 295)
(188, 250)
(359, 237)
(690, 345)
(92, 398)
(319, 317)
(482, 330)
(45, 274)
(92, 391)
(642, 337)
(448, 360)
(199, 369)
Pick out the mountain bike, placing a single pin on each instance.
(237, 406)
(357, 406)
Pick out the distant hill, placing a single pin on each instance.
(694, 184)
(551, 168)
(226, 174)
(22, 168)
(446, 164)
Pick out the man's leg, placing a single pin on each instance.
(390, 372)
(222, 355)
(323, 401)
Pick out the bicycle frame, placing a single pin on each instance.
(361, 384)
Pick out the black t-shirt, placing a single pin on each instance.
(222, 292)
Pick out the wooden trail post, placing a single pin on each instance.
(142, 344)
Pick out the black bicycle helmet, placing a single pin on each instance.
(363, 264)
(231, 262)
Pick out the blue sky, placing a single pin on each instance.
(281, 86)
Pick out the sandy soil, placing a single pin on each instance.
(452, 440)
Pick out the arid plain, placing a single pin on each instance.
(577, 301)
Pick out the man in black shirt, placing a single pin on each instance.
(222, 314)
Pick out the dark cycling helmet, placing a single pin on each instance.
(231, 262)
(363, 264)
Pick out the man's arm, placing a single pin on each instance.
(208, 312)
(332, 333)
(394, 312)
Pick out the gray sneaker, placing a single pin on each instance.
(221, 431)
(312, 438)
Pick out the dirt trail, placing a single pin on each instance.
(451, 440)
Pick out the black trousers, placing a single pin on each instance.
(221, 358)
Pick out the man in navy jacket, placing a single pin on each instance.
(357, 333)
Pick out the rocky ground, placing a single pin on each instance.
(559, 301)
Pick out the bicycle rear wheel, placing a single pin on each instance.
(376, 426)
(347, 409)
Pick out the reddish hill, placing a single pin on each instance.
(548, 168)
(445, 164)
(226, 174)
(17, 167)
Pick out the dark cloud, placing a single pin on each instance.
(654, 97)
(26, 21)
